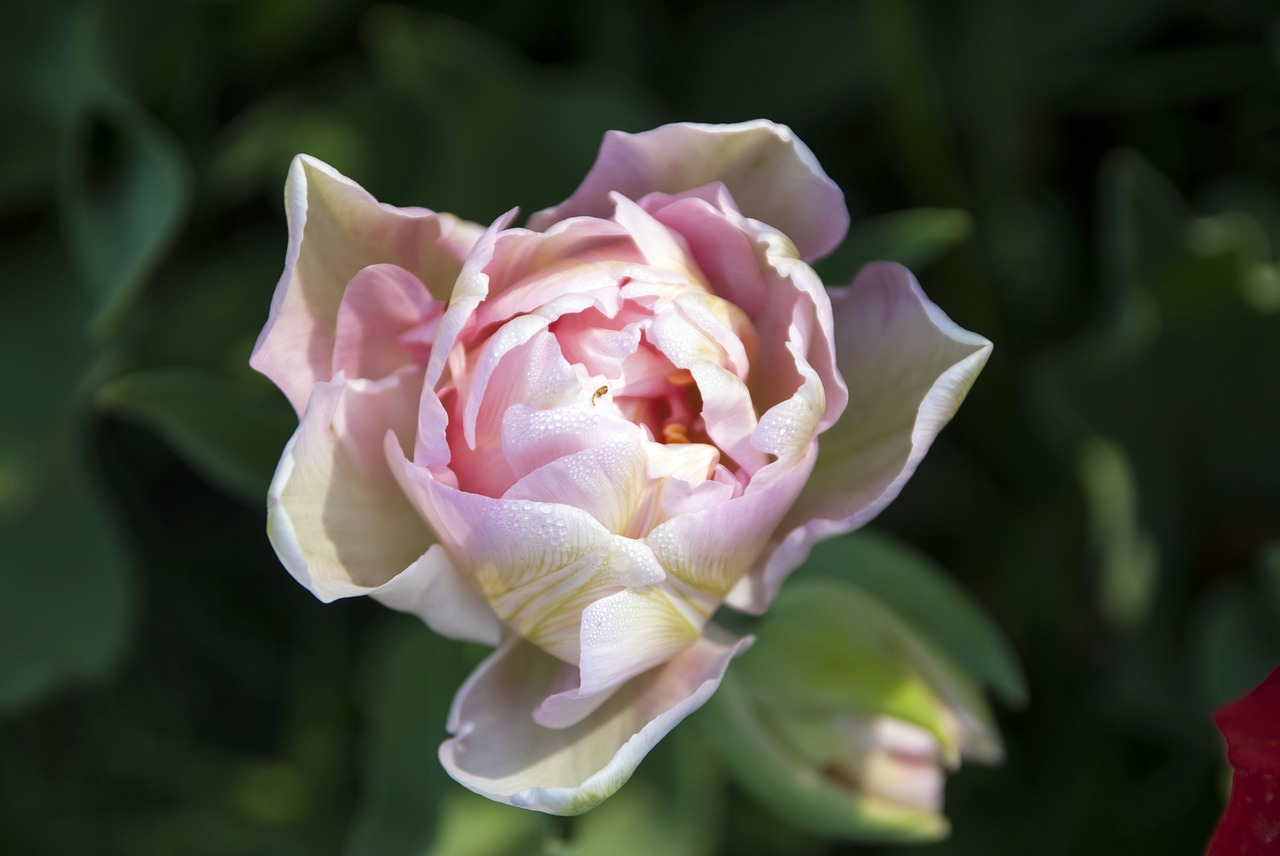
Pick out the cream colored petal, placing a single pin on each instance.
(501, 752)
(607, 481)
(538, 564)
(709, 551)
(432, 589)
(335, 229)
(335, 513)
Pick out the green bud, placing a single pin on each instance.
(844, 716)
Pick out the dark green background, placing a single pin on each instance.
(1095, 186)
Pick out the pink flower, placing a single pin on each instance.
(576, 440)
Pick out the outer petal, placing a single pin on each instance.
(433, 589)
(499, 751)
(334, 512)
(342, 527)
(907, 367)
(772, 175)
(335, 229)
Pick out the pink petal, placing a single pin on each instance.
(335, 229)
(532, 438)
(432, 589)
(632, 631)
(539, 564)
(710, 551)
(690, 478)
(755, 269)
(802, 313)
(607, 481)
(659, 247)
(721, 249)
(1250, 822)
(470, 289)
(908, 368)
(772, 175)
(383, 304)
(520, 364)
(532, 269)
(729, 414)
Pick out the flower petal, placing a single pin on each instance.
(520, 364)
(380, 323)
(771, 174)
(756, 269)
(630, 632)
(534, 437)
(538, 564)
(470, 288)
(907, 367)
(804, 326)
(432, 589)
(335, 229)
(499, 751)
(607, 481)
(335, 514)
(709, 551)
(532, 269)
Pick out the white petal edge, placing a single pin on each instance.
(341, 526)
(772, 175)
(295, 347)
(889, 424)
(500, 752)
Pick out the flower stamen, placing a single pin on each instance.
(675, 432)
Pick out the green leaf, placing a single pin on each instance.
(1127, 554)
(122, 193)
(66, 582)
(922, 594)
(471, 825)
(230, 430)
(66, 590)
(672, 805)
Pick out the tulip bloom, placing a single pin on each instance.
(576, 440)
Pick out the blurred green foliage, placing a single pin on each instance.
(1095, 186)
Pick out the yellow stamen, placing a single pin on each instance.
(683, 377)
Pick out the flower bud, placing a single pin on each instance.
(844, 717)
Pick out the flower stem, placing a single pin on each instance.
(557, 834)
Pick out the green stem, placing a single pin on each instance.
(557, 834)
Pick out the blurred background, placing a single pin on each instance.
(1095, 186)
